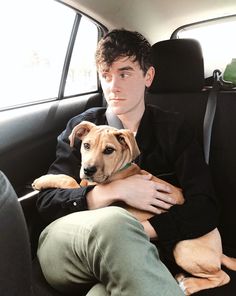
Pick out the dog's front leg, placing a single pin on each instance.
(55, 181)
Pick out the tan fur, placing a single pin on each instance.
(202, 257)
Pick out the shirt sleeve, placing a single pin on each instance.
(199, 214)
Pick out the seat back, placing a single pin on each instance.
(179, 86)
(179, 66)
(15, 258)
(223, 166)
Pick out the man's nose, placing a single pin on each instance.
(114, 84)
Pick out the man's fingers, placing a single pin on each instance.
(154, 210)
(161, 204)
(162, 187)
(166, 198)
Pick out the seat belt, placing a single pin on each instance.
(112, 119)
(210, 114)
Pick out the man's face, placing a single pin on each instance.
(124, 85)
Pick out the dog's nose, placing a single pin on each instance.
(90, 171)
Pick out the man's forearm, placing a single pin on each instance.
(101, 196)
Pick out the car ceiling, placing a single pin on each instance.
(156, 19)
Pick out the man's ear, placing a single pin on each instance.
(80, 131)
(149, 76)
(126, 138)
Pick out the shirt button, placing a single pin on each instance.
(75, 203)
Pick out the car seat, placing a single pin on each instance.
(15, 257)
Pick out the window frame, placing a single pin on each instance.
(102, 30)
(174, 35)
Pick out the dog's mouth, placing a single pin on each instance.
(101, 178)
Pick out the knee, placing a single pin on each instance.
(113, 216)
(115, 221)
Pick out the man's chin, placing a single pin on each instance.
(117, 110)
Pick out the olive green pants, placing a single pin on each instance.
(103, 252)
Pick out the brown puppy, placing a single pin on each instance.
(106, 155)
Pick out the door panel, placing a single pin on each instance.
(28, 137)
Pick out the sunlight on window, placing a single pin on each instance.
(34, 41)
(217, 41)
(82, 76)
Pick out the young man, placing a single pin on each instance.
(101, 250)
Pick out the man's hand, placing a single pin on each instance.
(140, 192)
(137, 191)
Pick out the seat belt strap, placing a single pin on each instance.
(210, 114)
(113, 120)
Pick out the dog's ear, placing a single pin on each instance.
(126, 138)
(80, 131)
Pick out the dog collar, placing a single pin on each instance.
(125, 167)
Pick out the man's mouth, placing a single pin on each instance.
(116, 99)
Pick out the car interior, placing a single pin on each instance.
(29, 131)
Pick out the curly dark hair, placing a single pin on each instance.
(123, 43)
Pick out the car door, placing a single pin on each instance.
(50, 76)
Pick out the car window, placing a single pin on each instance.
(82, 75)
(34, 42)
(216, 37)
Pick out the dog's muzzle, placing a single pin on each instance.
(90, 171)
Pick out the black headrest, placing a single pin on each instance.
(179, 66)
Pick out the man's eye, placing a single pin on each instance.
(86, 146)
(108, 150)
(124, 75)
(106, 77)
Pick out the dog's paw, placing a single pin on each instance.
(180, 279)
(55, 181)
(36, 185)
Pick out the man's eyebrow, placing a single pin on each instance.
(125, 68)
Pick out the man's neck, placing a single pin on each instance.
(131, 120)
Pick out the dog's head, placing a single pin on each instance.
(104, 150)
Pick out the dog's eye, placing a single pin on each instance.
(86, 146)
(108, 150)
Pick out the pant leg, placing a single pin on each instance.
(106, 245)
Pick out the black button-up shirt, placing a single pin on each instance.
(168, 150)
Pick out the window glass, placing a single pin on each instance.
(82, 75)
(34, 38)
(34, 41)
(217, 41)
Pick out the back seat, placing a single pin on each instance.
(179, 86)
(223, 165)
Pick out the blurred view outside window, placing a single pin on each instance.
(82, 76)
(217, 41)
(34, 40)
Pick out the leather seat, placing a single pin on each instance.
(179, 86)
(15, 257)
